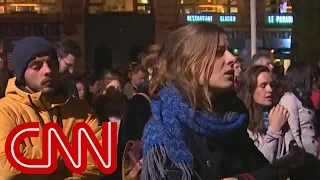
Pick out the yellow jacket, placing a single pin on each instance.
(19, 107)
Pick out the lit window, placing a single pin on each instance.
(95, 9)
(143, 1)
(233, 10)
(25, 1)
(23, 8)
(100, 6)
(48, 1)
(278, 6)
(209, 6)
(144, 6)
(29, 6)
(144, 9)
(49, 9)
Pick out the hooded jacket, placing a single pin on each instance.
(18, 107)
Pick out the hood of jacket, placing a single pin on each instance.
(33, 99)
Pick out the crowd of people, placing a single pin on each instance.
(189, 108)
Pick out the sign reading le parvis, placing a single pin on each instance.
(280, 19)
(74, 154)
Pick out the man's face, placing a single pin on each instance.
(138, 78)
(66, 63)
(41, 75)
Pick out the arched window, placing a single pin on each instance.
(101, 6)
(29, 6)
(209, 6)
(278, 6)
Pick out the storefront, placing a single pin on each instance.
(10, 33)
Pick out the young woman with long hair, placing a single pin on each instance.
(256, 92)
(294, 93)
(198, 128)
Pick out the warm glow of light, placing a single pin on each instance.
(211, 6)
(272, 51)
(286, 64)
(24, 4)
(220, 7)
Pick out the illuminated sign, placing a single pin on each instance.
(199, 18)
(280, 19)
(227, 18)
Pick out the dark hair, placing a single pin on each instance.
(79, 78)
(247, 86)
(111, 104)
(92, 79)
(66, 47)
(260, 55)
(317, 77)
(300, 76)
(137, 68)
(280, 86)
(149, 57)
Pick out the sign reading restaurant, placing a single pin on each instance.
(199, 18)
(221, 18)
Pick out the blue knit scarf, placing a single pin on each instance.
(164, 137)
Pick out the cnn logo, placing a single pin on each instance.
(74, 154)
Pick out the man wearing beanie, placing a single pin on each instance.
(34, 95)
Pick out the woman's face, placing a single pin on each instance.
(222, 77)
(81, 90)
(262, 95)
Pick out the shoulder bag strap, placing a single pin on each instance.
(144, 95)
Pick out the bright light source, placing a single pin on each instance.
(235, 51)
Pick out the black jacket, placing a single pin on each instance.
(230, 155)
(68, 83)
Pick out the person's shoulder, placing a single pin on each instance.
(7, 103)
(79, 105)
(10, 107)
(128, 84)
(288, 97)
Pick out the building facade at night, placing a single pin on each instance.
(122, 25)
(274, 20)
(113, 32)
(51, 19)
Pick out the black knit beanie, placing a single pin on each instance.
(26, 50)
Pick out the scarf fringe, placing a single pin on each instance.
(154, 165)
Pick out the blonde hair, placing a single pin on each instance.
(188, 52)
